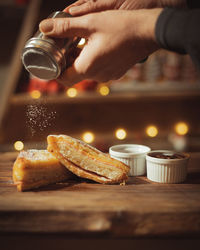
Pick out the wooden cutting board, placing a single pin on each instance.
(139, 209)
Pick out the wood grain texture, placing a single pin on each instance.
(139, 209)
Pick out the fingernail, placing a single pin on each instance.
(73, 10)
(46, 26)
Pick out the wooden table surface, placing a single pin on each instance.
(139, 209)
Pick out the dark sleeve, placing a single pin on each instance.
(179, 31)
(193, 4)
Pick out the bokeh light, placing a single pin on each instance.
(152, 131)
(120, 134)
(104, 90)
(82, 43)
(18, 145)
(181, 128)
(72, 92)
(88, 137)
(35, 94)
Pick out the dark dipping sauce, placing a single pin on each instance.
(167, 155)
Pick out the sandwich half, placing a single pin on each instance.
(86, 161)
(36, 168)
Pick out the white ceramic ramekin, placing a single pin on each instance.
(166, 170)
(133, 155)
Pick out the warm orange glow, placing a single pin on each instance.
(152, 131)
(18, 145)
(35, 94)
(72, 92)
(88, 137)
(181, 128)
(120, 134)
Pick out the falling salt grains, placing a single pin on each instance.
(39, 117)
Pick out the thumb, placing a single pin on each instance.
(66, 27)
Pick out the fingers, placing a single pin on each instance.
(79, 70)
(85, 7)
(66, 27)
(94, 71)
(83, 67)
(77, 3)
(70, 77)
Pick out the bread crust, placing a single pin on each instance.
(86, 161)
(36, 168)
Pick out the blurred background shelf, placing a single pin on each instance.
(92, 97)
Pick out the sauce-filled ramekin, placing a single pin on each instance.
(166, 166)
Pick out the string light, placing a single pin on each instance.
(72, 92)
(88, 137)
(152, 131)
(104, 90)
(181, 128)
(120, 134)
(35, 94)
(18, 145)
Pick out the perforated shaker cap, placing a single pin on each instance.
(42, 60)
(43, 56)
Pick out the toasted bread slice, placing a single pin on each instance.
(36, 168)
(86, 161)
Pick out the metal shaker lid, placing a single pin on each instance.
(42, 60)
(43, 56)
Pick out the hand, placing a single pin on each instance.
(116, 41)
(82, 7)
